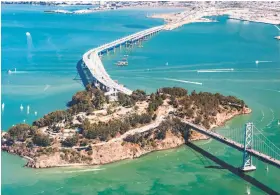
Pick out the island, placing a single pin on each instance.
(95, 130)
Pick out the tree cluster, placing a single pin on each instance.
(155, 102)
(87, 100)
(139, 95)
(125, 100)
(70, 141)
(21, 132)
(174, 91)
(148, 138)
(106, 131)
(40, 139)
(53, 117)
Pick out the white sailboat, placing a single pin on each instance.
(21, 107)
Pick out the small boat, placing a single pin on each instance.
(21, 107)
(278, 122)
(3, 106)
(122, 62)
(9, 72)
(125, 56)
(166, 64)
(35, 113)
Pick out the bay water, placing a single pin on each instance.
(215, 57)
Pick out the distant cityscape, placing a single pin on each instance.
(273, 5)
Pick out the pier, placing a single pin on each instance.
(92, 61)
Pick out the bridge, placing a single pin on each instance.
(252, 143)
(92, 61)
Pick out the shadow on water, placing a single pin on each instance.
(232, 169)
(83, 74)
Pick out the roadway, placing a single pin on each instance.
(236, 145)
(93, 62)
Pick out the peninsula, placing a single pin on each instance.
(94, 130)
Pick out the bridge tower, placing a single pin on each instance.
(248, 144)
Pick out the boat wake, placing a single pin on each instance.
(277, 27)
(215, 70)
(271, 121)
(262, 116)
(46, 87)
(84, 170)
(183, 81)
(268, 89)
(258, 61)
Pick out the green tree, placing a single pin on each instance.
(40, 139)
(70, 141)
(99, 99)
(21, 131)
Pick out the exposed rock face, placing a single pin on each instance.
(109, 153)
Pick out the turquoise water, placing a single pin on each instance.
(45, 80)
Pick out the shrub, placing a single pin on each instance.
(70, 141)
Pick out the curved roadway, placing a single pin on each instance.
(94, 64)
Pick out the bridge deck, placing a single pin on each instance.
(236, 145)
(95, 65)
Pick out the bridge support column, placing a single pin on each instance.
(248, 143)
